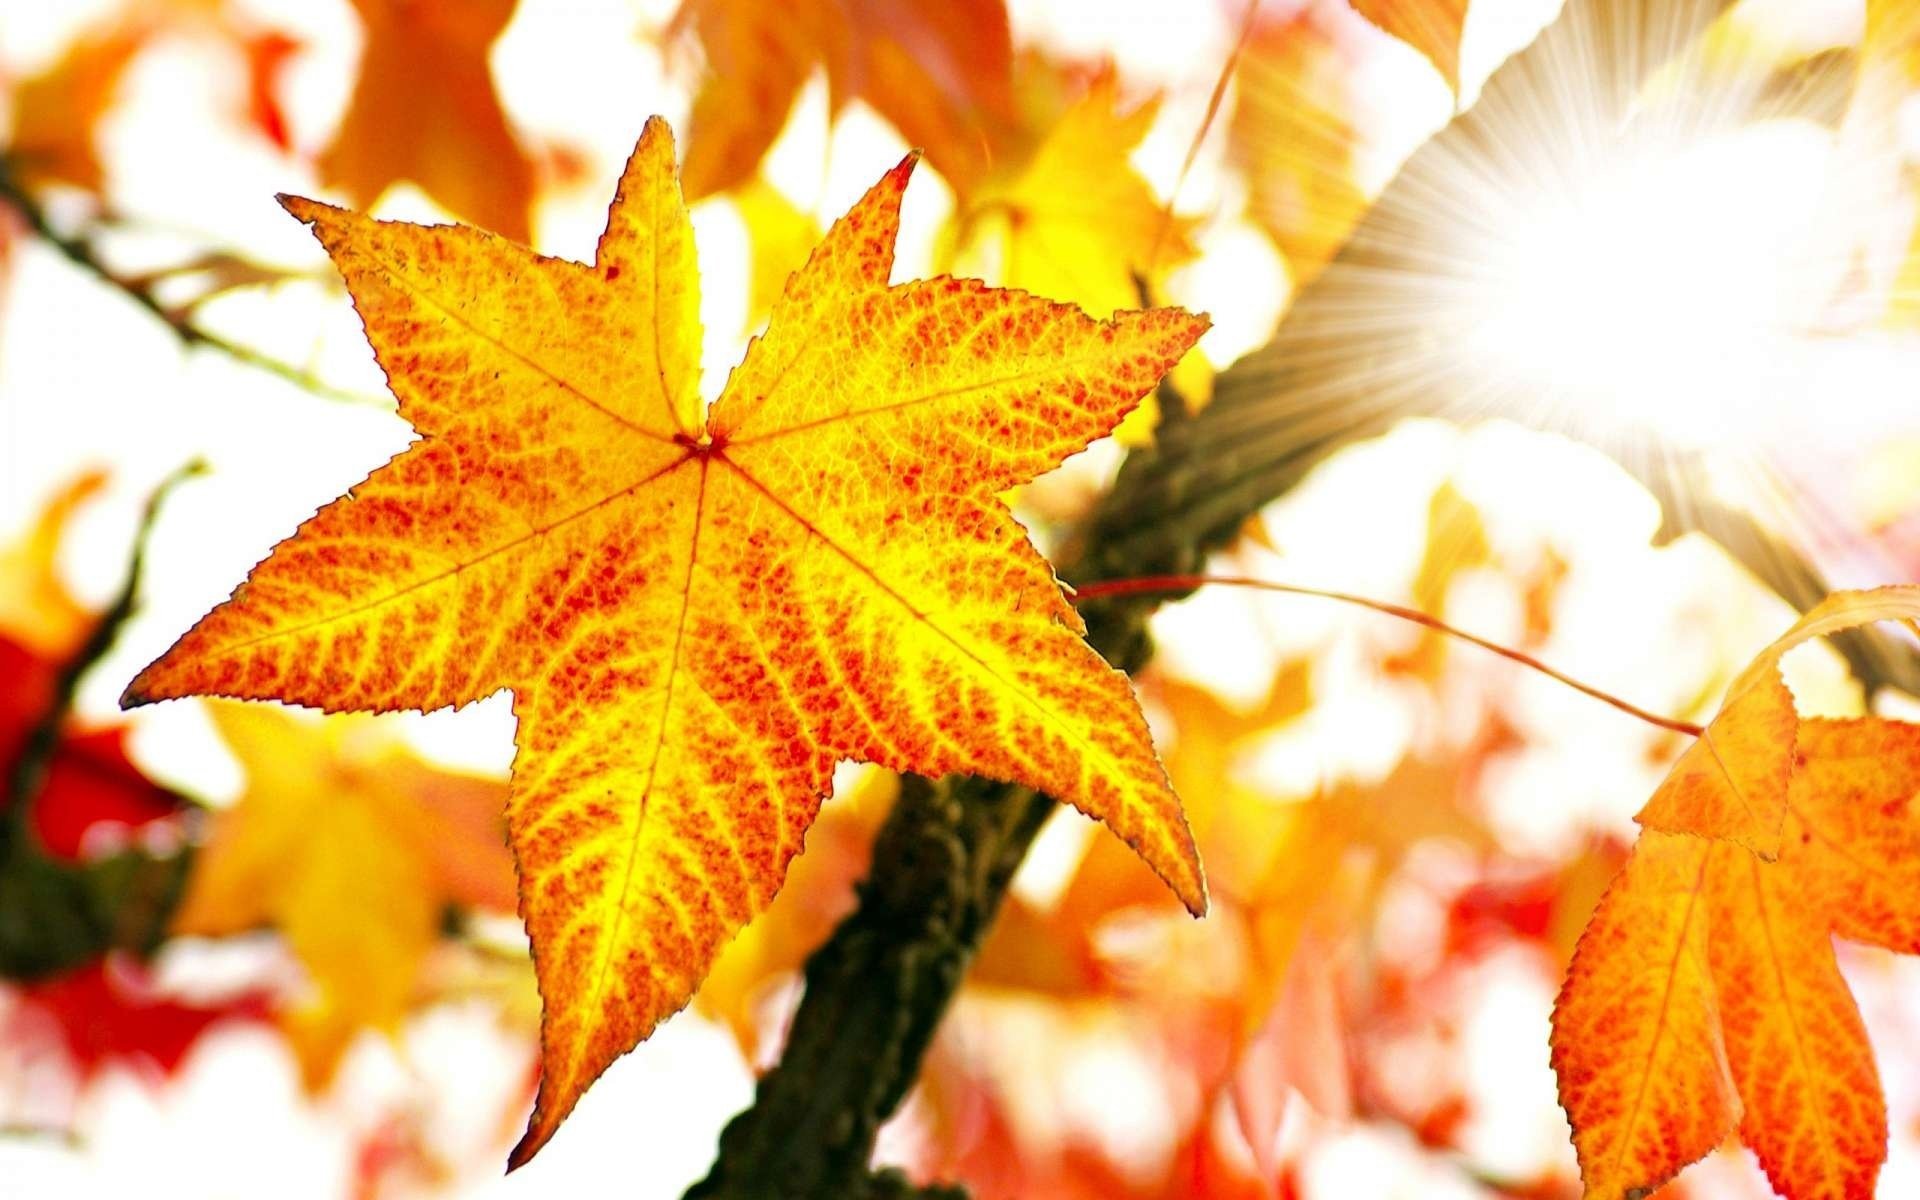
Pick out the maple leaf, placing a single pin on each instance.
(35, 606)
(1432, 27)
(351, 848)
(424, 110)
(938, 72)
(1704, 994)
(1079, 221)
(699, 616)
(1456, 541)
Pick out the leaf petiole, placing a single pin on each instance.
(1186, 583)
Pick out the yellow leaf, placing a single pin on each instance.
(36, 609)
(699, 615)
(350, 847)
(1293, 136)
(1079, 222)
(779, 237)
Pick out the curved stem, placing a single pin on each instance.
(1163, 584)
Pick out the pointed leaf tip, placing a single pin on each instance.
(303, 209)
(903, 170)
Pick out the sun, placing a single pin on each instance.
(1664, 288)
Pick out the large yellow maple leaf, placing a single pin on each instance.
(350, 847)
(699, 615)
(1704, 995)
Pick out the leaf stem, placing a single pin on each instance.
(1200, 135)
(1156, 584)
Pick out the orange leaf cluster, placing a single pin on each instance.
(1705, 995)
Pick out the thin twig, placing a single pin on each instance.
(1200, 136)
(1187, 583)
(79, 253)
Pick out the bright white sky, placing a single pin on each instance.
(87, 380)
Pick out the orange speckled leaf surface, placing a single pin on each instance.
(699, 618)
(1636, 1038)
(1647, 1040)
(1733, 782)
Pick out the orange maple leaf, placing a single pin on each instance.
(699, 615)
(424, 111)
(1704, 994)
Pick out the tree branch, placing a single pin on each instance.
(875, 992)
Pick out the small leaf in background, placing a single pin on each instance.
(1456, 542)
(938, 72)
(56, 112)
(110, 1013)
(700, 614)
(36, 607)
(1433, 27)
(269, 54)
(1292, 133)
(780, 236)
(351, 849)
(424, 112)
(1078, 222)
